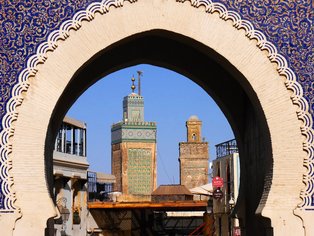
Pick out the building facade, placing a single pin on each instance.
(134, 151)
(193, 156)
(227, 167)
(70, 175)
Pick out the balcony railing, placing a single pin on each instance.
(226, 148)
(97, 191)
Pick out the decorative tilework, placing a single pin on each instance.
(28, 29)
(133, 132)
(139, 171)
(289, 26)
(255, 11)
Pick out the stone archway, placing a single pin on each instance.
(220, 36)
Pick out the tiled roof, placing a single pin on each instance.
(174, 189)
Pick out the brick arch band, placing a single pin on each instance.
(215, 10)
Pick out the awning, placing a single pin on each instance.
(206, 189)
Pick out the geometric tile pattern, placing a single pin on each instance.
(139, 171)
(127, 133)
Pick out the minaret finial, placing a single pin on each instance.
(139, 81)
(133, 86)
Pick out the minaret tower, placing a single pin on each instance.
(193, 156)
(133, 153)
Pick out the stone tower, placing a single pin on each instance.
(133, 153)
(193, 156)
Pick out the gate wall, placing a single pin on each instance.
(234, 39)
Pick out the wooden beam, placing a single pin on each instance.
(175, 205)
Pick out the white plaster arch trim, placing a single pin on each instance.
(103, 7)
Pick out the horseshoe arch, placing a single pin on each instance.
(209, 24)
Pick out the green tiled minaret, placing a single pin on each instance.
(133, 143)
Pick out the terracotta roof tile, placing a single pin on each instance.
(174, 189)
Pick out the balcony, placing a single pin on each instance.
(226, 148)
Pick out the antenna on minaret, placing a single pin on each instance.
(139, 73)
(133, 86)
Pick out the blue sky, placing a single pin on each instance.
(169, 98)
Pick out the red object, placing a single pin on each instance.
(218, 182)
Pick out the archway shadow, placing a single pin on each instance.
(221, 80)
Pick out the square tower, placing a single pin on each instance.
(193, 156)
(133, 155)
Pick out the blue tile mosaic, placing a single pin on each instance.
(26, 24)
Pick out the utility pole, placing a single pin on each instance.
(139, 73)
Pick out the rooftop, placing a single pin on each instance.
(74, 122)
(194, 117)
(173, 189)
(105, 178)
